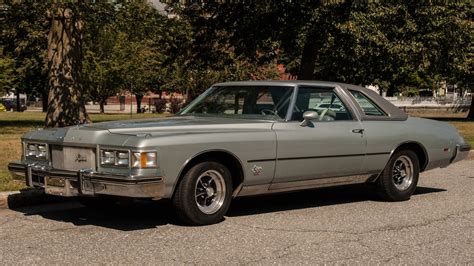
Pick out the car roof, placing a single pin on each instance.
(277, 83)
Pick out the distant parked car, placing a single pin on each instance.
(333, 106)
(11, 105)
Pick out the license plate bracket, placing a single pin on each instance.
(57, 186)
(84, 186)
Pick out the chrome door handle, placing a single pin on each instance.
(358, 130)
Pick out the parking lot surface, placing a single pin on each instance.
(342, 225)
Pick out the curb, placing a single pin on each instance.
(29, 197)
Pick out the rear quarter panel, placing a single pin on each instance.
(433, 136)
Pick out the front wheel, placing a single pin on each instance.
(203, 196)
(399, 178)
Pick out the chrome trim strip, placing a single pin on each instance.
(180, 174)
(318, 157)
(461, 152)
(291, 105)
(422, 167)
(352, 106)
(464, 147)
(40, 170)
(303, 184)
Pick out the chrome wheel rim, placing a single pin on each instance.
(210, 191)
(402, 172)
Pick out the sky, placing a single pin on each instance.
(160, 6)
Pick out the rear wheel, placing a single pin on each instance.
(399, 178)
(203, 196)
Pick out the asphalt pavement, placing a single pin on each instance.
(342, 225)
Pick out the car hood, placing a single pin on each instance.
(124, 131)
(179, 124)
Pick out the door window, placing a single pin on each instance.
(322, 100)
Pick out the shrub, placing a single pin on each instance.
(160, 105)
(175, 105)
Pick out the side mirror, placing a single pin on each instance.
(308, 117)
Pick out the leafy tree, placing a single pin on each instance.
(6, 74)
(23, 39)
(202, 52)
(102, 69)
(102, 64)
(141, 47)
(397, 45)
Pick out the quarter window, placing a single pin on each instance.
(367, 105)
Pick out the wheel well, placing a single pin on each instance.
(418, 149)
(225, 158)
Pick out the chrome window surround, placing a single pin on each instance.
(339, 93)
(384, 114)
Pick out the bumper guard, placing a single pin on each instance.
(462, 150)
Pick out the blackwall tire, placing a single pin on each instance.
(399, 179)
(204, 194)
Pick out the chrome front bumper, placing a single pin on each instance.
(87, 183)
(462, 150)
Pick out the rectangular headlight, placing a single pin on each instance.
(144, 160)
(122, 158)
(107, 157)
(114, 158)
(36, 150)
(41, 151)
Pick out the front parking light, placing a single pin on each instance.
(144, 160)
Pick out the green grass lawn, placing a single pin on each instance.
(13, 125)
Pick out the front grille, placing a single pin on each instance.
(73, 158)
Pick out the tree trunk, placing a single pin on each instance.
(65, 102)
(139, 102)
(308, 57)
(101, 105)
(18, 104)
(44, 101)
(470, 116)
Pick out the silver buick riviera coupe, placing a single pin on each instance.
(240, 139)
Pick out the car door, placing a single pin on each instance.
(332, 146)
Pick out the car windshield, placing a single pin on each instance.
(250, 102)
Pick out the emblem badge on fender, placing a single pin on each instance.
(257, 170)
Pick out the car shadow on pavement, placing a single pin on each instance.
(141, 215)
(132, 216)
(310, 199)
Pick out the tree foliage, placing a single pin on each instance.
(23, 42)
(402, 46)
